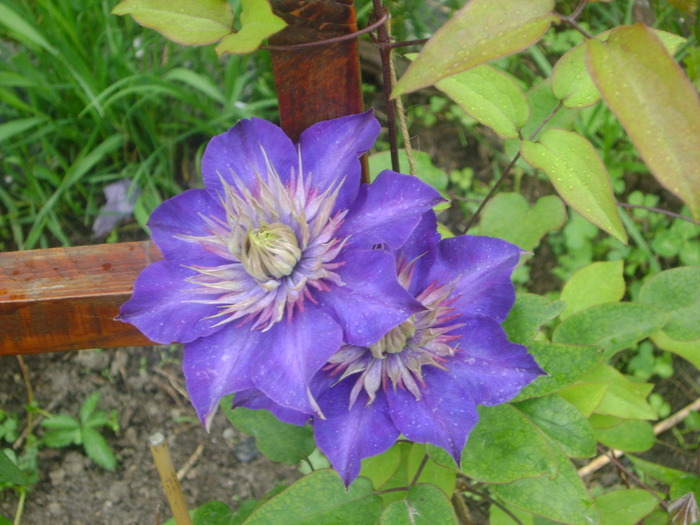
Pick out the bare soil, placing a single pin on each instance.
(146, 387)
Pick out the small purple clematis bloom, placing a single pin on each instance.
(424, 378)
(270, 268)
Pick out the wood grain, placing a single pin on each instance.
(67, 298)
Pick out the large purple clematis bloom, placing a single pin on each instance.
(271, 267)
(424, 378)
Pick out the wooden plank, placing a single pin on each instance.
(319, 82)
(67, 298)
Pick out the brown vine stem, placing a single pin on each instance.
(659, 428)
(385, 55)
(638, 481)
(659, 210)
(419, 470)
(571, 20)
(465, 487)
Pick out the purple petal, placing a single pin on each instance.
(443, 416)
(181, 216)
(256, 400)
(488, 366)
(290, 353)
(421, 250)
(481, 268)
(162, 308)
(121, 198)
(346, 437)
(372, 302)
(219, 365)
(387, 211)
(239, 151)
(330, 151)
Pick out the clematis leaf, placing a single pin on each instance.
(630, 435)
(490, 97)
(564, 364)
(662, 473)
(481, 31)
(258, 22)
(655, 103)
(506, 446)
(571, 81)
(324, 492)
(676, 291)
(597, 283)
(562, 423)
(622, 398)
(585, 396)
(625, 507)
(508, 216)
(9, 472)
(689, 350)
(433, 472)
(528, 314)
(561, 497)
(277, 440)
(611, 326)
(188, 22)
(579, 176)
(424, 504)
(382, 467)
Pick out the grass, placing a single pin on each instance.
(88, 98)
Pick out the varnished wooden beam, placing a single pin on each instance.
(67, 298)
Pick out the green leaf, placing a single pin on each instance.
(258, 23)
(564, 364)
(279, 441)
(509, 217)
(655, 103)
(481, 31)
(424, 505)
(571, 81)
(213, 513)
(4, 520)
(27, 33)
(382, 467)
(528, 314)
(188, 22)
(585, 396)
(625, 507)
(622, 398)
(686, 483)
(425, 169)
(62, 422)
(505, 446)
(320, 497)
(88, 406)
(677, 292)
(433, 473)
(9, 472)
(689, 350)
(579, 176)
(561, 497)
(660, 473)
(562, 423)
(98, 450)
(15, 127)
(597, 283)
(62, 437)
(631, 435)
(199, 82)
(489, 96)
(611, 326)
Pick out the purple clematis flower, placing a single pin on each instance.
(271, 267)
(424, 378)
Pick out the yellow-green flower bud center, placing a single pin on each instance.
(394, 341)
(270, 251)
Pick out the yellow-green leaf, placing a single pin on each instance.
(579, 176)
(597, 283)
(481, 31)
(189, 22)
(489, 96)
(656, 104)
(571, 81)
(258, 22)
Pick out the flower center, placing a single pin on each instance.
(270, 251)
(394, 341)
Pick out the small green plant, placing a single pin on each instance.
(64, 430)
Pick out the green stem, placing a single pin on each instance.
(20, 505)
